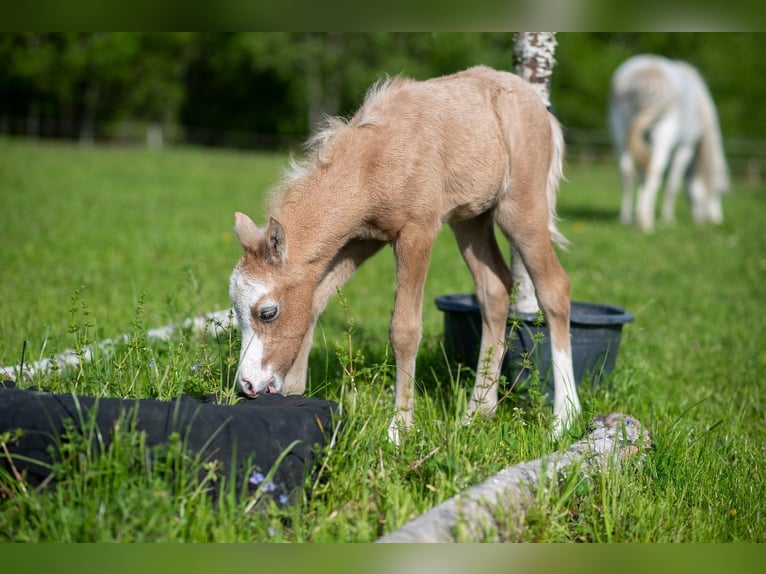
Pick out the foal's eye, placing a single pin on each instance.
(268, 313)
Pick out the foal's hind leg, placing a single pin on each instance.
(412, 249)
(524, 220)
(476, 239)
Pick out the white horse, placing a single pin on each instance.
(472, 150)
(663, 119)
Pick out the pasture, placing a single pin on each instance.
(95, 242)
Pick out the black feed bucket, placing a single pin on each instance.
(595, 332)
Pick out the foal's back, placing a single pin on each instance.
(443, 149)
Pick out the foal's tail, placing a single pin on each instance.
(555, 175)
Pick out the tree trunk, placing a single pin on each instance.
(88, 120)
(322, 84)
(533, 57)
(497, 508)
(154, 135)
(33, 121)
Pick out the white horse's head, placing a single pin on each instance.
(273, 307)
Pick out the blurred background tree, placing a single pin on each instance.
(73, 84)
(266, 90)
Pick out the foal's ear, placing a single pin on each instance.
(247, 232)
(276, 242)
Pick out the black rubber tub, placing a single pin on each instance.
(595, 331)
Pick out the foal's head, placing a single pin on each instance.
(273, 307)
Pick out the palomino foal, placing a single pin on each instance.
(471, 149)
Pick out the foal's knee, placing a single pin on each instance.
(405, 335)
(494, 298)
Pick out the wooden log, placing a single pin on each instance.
(511, 492)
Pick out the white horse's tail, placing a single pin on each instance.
(711, 161)
(555, 175)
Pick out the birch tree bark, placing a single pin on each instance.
(533, 57)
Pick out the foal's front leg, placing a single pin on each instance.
(412, 250)
(340, 269)
(476, 240)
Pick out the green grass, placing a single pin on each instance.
(98, 242)
(113, 225)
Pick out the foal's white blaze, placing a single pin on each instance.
(252, 375)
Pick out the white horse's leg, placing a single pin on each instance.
(412, 250)
(341, 268)
(477, 243)
(698, 196)
(628, 173)
(662, 145)
(714, 208)
(681, 160)
(706, 202)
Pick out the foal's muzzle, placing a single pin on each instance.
(254, 390)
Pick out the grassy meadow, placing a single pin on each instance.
(96, 242)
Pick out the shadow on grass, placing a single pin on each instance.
(442, 380)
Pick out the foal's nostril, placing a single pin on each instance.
(251, 390)
(270, 387)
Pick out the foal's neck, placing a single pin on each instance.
(319, 216)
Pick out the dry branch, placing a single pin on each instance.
(512, 491)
